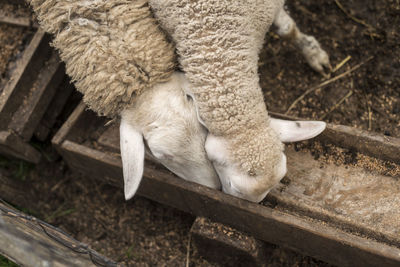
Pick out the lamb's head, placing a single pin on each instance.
(163, 121)
(251, 166)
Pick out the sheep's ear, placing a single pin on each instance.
(132, 154)
(293, 131)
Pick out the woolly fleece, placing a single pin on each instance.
(113, 50)
(218, 42)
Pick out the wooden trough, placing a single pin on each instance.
(340, 213)
(30, 88)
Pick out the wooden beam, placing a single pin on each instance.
(312, 237)
(18, 21)
(28, 115)
(314, 212)
(31, 242)
(23, 76)
(13, 145)
(366, 142)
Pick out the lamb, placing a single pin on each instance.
(218, 43)
(125, 67)
(121, 61)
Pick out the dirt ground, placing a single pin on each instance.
(143, 233)
(361, 29)
(12, 40)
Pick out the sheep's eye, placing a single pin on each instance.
(251, 173)
(189, 98)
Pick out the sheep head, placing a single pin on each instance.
(163, 121)
(254, 181)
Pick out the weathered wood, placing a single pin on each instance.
(18, 21)
(369, 143)
(65, 129)
(110, 139)
(345, 196)
(23, 76)
(219, 243)
(31, 242)
(55, 108)
(312, 237)
(28, 115)
(27, 94)
(366, 142)
(15, 191)
(103, 166)
(15, 2)
(12, 145)
(322, 210)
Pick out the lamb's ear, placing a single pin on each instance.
(132, 154)
(293, 131)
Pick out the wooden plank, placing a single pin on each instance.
(219, 243)
(65, 129)
(323, 210)
(312, 237)
(23, 76)
(15, 2)
(12, 145)
(369, 143)
(328, 191)
(110, 139)
(32, 242)
(345, 196)
(366, 142)
(54, 110)
(18, 21)
(34, 105)
(15, 191)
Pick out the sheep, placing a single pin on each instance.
(218, 43)
(113, 50)
(124, 66)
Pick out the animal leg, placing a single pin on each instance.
(316, 57)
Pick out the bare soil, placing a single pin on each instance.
(11, 8)
(360, 29)
(12, 40)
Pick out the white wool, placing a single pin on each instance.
(113, 50)
(218, 43)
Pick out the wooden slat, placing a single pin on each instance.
(31, 242)
(23, 76)
(314, 212)
(29, 114)
(15, 191)
(312, 237)
(12, 145)
(369, 143)
(66, 127)
(18, 21)
(345, 196)
(54, 110)
(366, 142)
